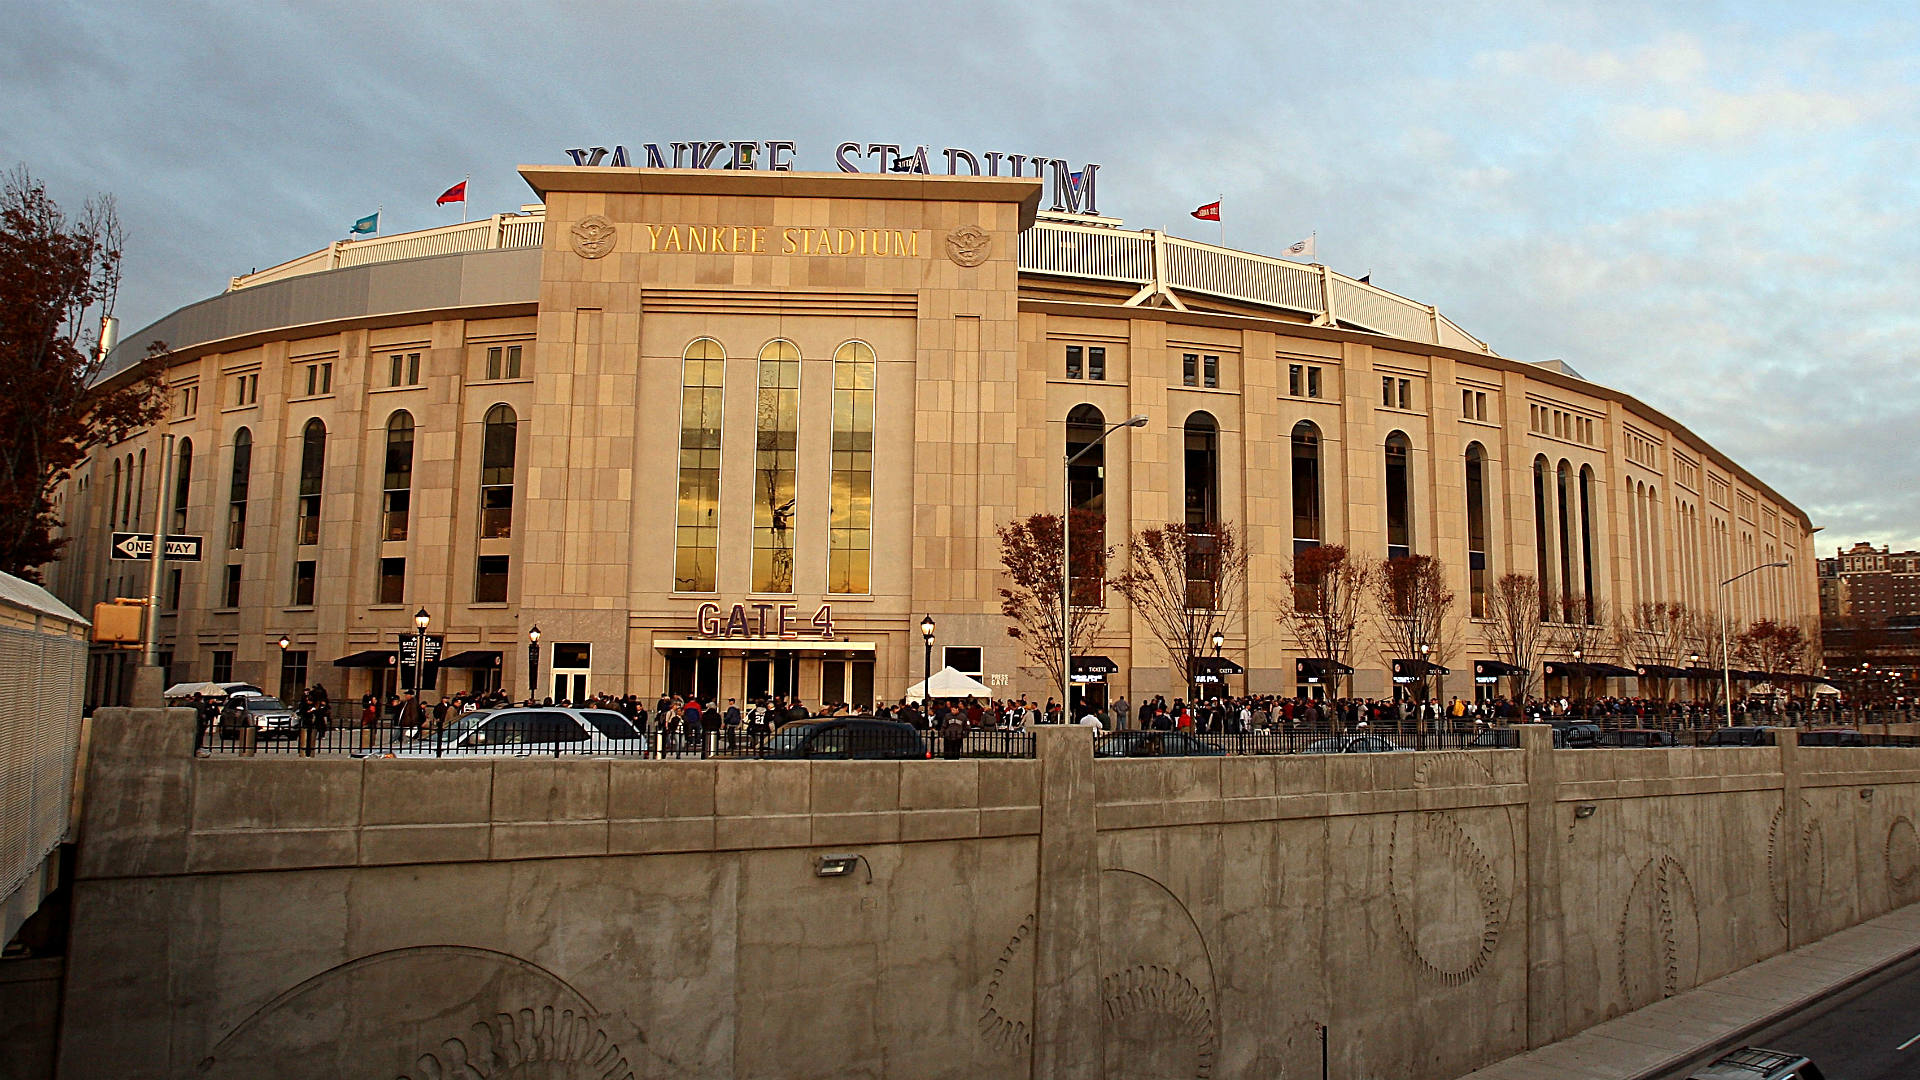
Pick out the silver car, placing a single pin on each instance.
(529, 732)
(270, 718)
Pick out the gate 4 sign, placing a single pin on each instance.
(136, 546)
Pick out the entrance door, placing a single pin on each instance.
(1089, 696)
(848, 682)
(572, 671)
(773, 676)
(694, 675)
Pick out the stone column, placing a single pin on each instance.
(1790, 848)
(1546, 965)
(1066, 975)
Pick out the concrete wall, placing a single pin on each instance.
(1057, 917)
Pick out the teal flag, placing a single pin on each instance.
(368, 224)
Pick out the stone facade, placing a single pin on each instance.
(973, 389)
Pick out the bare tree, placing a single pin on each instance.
(58, 280)
(1707, 634)
(1653, 632)
(1030, 554)
(1413, 601)
(1326, 587)
(1515, 629)
(1580, 630)
(1773, 647)
(1184, 582)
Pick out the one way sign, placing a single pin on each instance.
(137, 546)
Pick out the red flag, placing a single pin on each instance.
(458, 193)
(1209, 212)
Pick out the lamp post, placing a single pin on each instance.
(533, 662)
(1066, 560)
(420, 620)
(1693, 667)
(1726, 661)
(284, 642)
(1219, 639)
(926, 687)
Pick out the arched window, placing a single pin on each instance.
(1570, 601)
(1202, 471)
(1477, 572)
(313, 469)
(397, 479)
(1087, 487)
(776, 456)
(1307, 528)
(139, 491)
(1542, 559)
(1586, 537)
(850, 517)
(696, 539)
(1399, 497)
(182, 484)
(237, 489)
(113, 503)
(497, 446)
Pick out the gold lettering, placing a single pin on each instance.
(739, 240)
(845, 238)
(788, 245)
(708, 619)
(696, 238)
(653, 231)
(825, 246)
(673, 238)
(759, 239)
(720, 236)
(913, 244)
(863, 241)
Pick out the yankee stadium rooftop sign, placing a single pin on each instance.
(1073, 189)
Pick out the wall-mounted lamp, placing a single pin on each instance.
(1866, 794)
(840, 866)
(1584, 811)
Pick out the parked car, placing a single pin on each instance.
(1637, 737)
(1832, 737)
(851, 738)
(1577, 734)
(270, 718)
(1741, 736)
(1355, 744)
(1509, 739)
(1753, 1063)
(528, 732)
(1138, 744)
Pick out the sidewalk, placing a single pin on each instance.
(1644, 1044)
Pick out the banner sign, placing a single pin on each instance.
(1073, 190)
(768, 621)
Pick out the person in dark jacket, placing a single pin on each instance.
(953, 736)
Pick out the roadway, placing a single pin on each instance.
(1868, 1032)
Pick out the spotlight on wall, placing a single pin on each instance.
(1584, 811)
(838, 866)
(1866, 794)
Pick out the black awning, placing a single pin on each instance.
(1418, 668)
(1613, 671)
(1217, 664)
(1493, 669)
(1589, 671)
(1659, 671)
(473, 658)
(1094, 665)
(368, 658)
(1320, 665)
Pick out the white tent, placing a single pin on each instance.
(948, 683)
(1827, 690)
(188, 689)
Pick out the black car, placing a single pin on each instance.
(1576, 734)
(1832, 737)
(1637, 737)
(1509, 739)
(1753, 1063)
(1138, 744)
(1741, 736)
(846, 739)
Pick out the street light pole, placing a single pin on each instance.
(1726, 661)
(926, 686)
(420, 620)
(533, 663)
(1066, 561)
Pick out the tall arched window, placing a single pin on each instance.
(696, 540)
(776, 456)
(1542, 559)
(182, 484)
(237, 489)
(1399, 497)
(850, 516)
(497, 447)
(1570, 603)
(1586, 537)
(1202, 471)
(1476, 530)
(113, 504)
(313, 469)
(397, 478)
(1308, 530)
(139, 491)
(1087, 482)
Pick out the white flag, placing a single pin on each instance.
(1301, 250)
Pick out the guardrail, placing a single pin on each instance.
(492, 233)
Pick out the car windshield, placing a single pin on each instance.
(264, 704)
(456, 727)
(790, 737)
(611, 724)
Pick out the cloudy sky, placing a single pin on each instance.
(1711, 206)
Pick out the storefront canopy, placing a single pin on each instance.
(1217, 664)
(1590, 671)
(1414, 669)
(473, 658)
(368, 658)
(948, 683)
(1094, 665)
(1494, 669)
(1660, 671)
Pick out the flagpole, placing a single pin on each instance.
(378, 208)
(1222, 197)
(465, 192)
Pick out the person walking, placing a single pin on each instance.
(953, 737)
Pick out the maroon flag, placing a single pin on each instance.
(1209, 212)
(456, 193)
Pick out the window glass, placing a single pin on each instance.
(313, 465)
(1097, 363)
(398, 477)
(237, 489)
(776, 457)
(1074, 367)
(497, 451)
(697, 524)
(850, 514)
(1399, 498)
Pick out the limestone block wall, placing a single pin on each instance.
(1054, 917)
